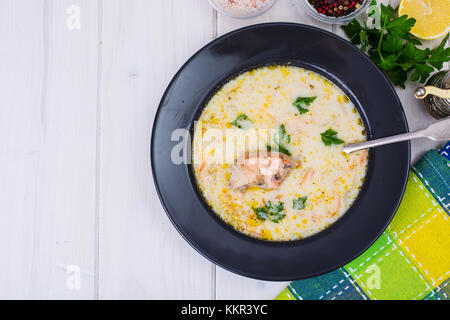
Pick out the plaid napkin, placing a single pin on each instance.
(411, 260)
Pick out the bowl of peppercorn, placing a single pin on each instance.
(335, 11)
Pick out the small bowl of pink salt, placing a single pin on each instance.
(242, 9)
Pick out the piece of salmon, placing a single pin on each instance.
(263, 170)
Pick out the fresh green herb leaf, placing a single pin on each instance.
(279, 149)
(301, 109)
(353, 30)
(421, 72)
(393, 48)
(411, 53)
(241, 121)
(273, 208)
(440, 55)
(392, 44)
(284, 150)
(301, 102)
(398, 76)
(281, 139)
(386, 12)
(388, 63)
(401, 25)
(300, 203)
(275, 211)
(271, 211)
(329, 137)
(277, 218)
(261, 213)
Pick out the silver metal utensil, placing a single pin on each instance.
(437, 131)
(423, 92)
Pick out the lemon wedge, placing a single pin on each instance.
(432, 17)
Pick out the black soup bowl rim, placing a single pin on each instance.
(229, 262)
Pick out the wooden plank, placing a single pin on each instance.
(47, 149)
(141, 254)
(229, 285)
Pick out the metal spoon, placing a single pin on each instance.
(437, 131)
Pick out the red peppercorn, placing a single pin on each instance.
(336, 8)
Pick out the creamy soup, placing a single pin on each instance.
(267, 153)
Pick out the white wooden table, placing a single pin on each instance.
(77, 103)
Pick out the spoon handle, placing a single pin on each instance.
(422, 92)
(379, 142)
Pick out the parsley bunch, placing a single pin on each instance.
(394, 49)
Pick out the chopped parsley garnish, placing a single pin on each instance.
(329, 137)
(281, 139)
(280, 149)
(261, 213)
(271, 211)
(300, 203)
(301, 102)
(241, 121)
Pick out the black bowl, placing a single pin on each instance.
(341, 63)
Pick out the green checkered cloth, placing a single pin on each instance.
(411, 260)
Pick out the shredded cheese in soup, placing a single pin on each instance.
(291, 116)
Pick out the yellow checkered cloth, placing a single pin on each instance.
(411, 260)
